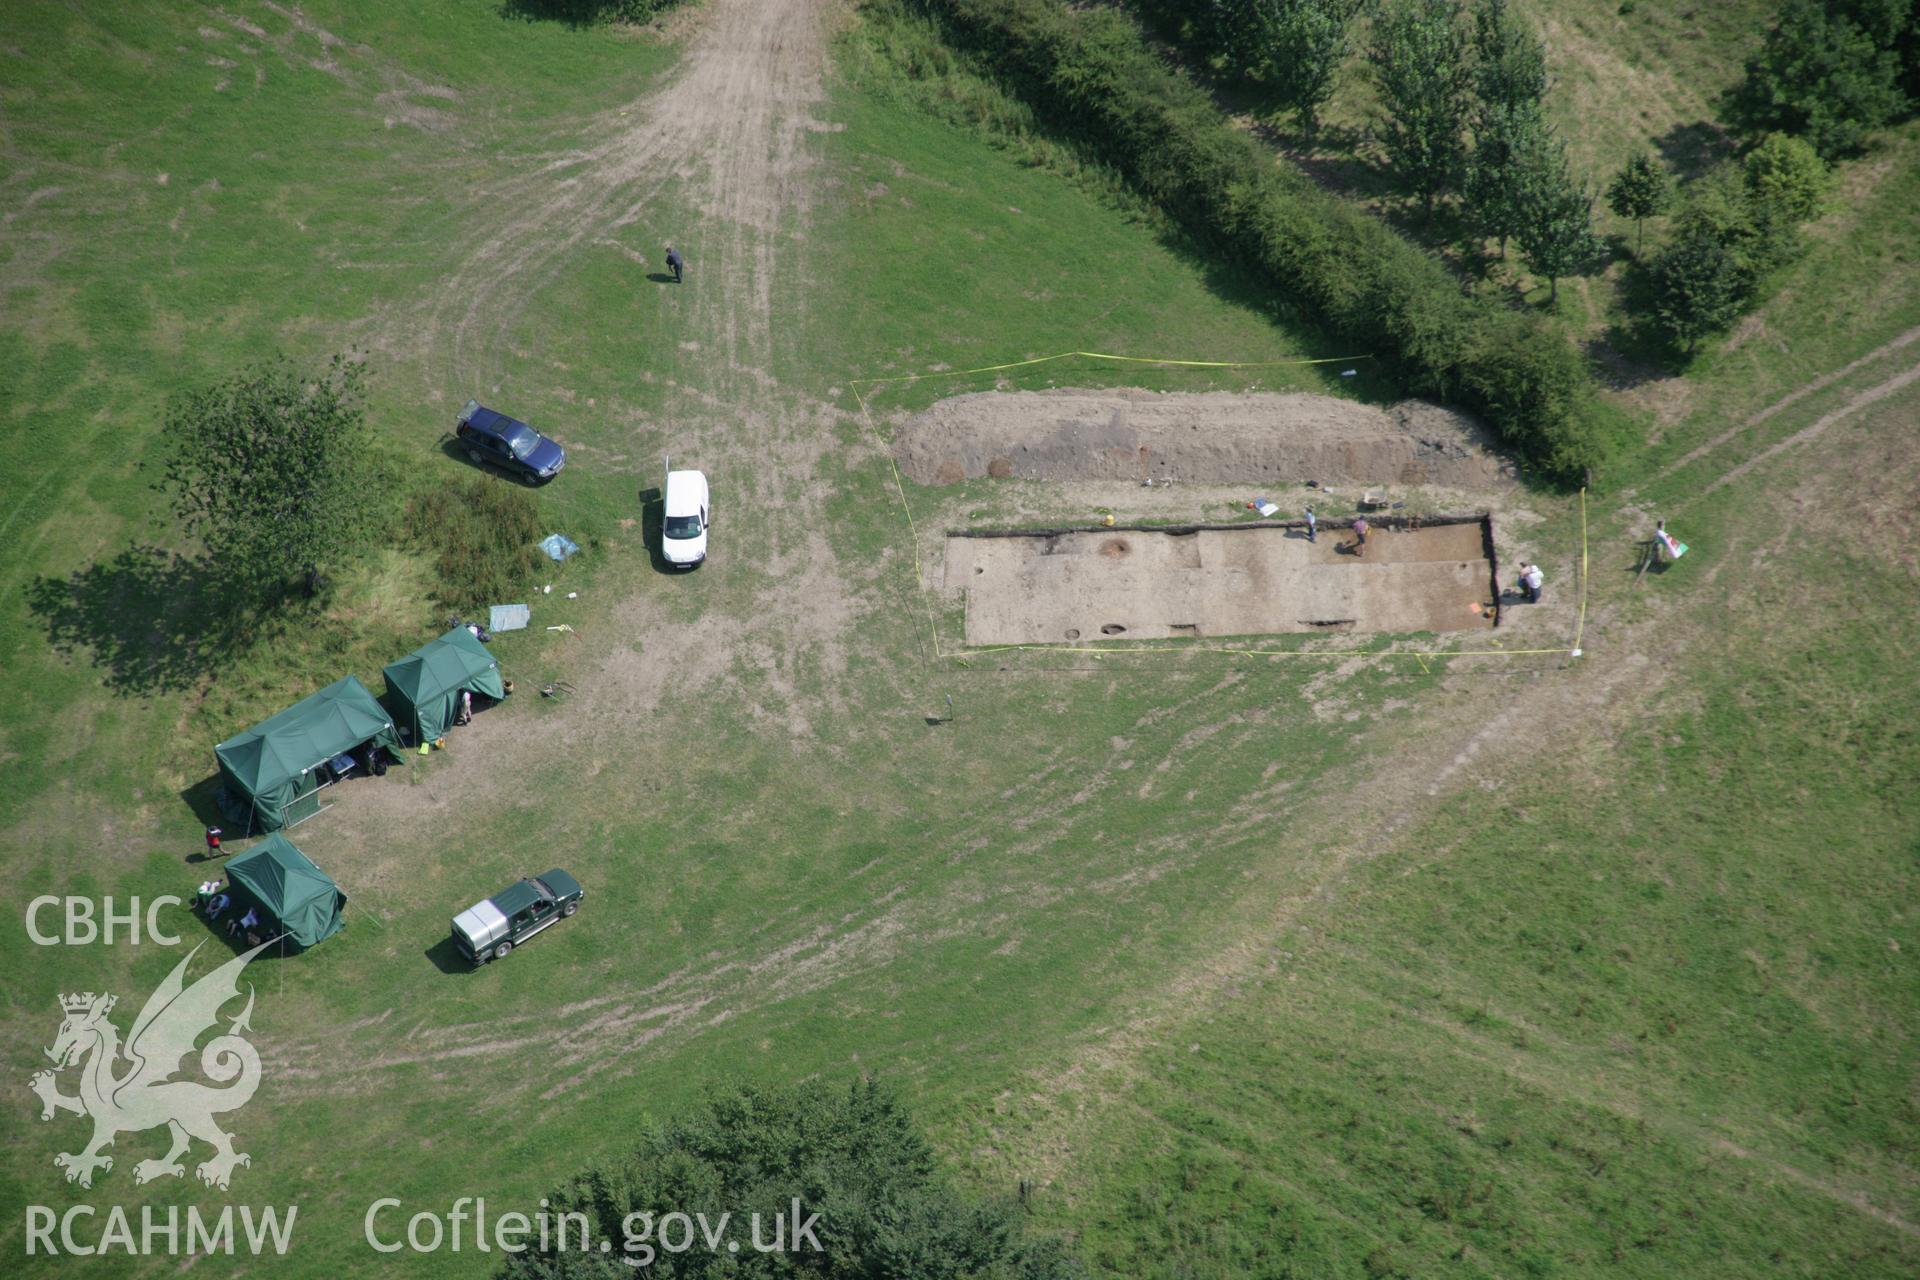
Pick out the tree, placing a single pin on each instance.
(1306, 42)
(1720, 205)
(1295, 46)
(1227, 28)
(1555, 226)
(1698, 288)
(272, 470)
(853, 1157)
(1419, 55)
(1509, 84)
(1821, 75)
(1495, 189)
(1509, 60)
(1788, 177)
(1641, 190)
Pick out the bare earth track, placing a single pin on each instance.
(726, 136)
(731, 124)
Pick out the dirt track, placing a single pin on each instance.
(726, 135)
(1214, 437)
(731, 124)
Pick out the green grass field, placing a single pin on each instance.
(1305, 966)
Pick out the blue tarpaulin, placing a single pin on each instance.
(508, 617)
(558, 546)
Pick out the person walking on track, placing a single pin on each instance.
(1313, 524)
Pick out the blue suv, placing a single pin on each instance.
(507, 442)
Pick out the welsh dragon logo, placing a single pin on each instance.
(127, 1089)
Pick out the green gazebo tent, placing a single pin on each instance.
(274, 767)
(285, 886)
(427, 683)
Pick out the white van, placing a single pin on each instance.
(683, 534)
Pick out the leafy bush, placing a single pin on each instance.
(1758, 233)
(1788, 177)
(589, 12)
(1698, 288)
(482, 536)
(1736, 226)
(853, 1158)
(1093, 77)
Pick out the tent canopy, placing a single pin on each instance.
(284, 883)
(271, 765)
(428, 682)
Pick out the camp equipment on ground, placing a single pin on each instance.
(508, 617)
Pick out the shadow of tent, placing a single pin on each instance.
(236, 942)
(203, 798)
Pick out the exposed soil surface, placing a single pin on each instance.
(728, 135)
(1212, 437)
(731, 125)
(1112, 584)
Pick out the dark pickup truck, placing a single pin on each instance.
(491, 929)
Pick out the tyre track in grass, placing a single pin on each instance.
(1792, 398)
(1865, 399)
(1593, 700)
(730, 124)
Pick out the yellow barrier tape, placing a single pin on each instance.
(964, 652)
(1100, 355)
(1580, 627)
(913, 527)
(1255, 653)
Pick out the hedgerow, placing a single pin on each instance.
(1092, 76)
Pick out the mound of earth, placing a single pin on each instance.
(1205, 438)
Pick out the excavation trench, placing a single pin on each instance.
(1068, 585)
